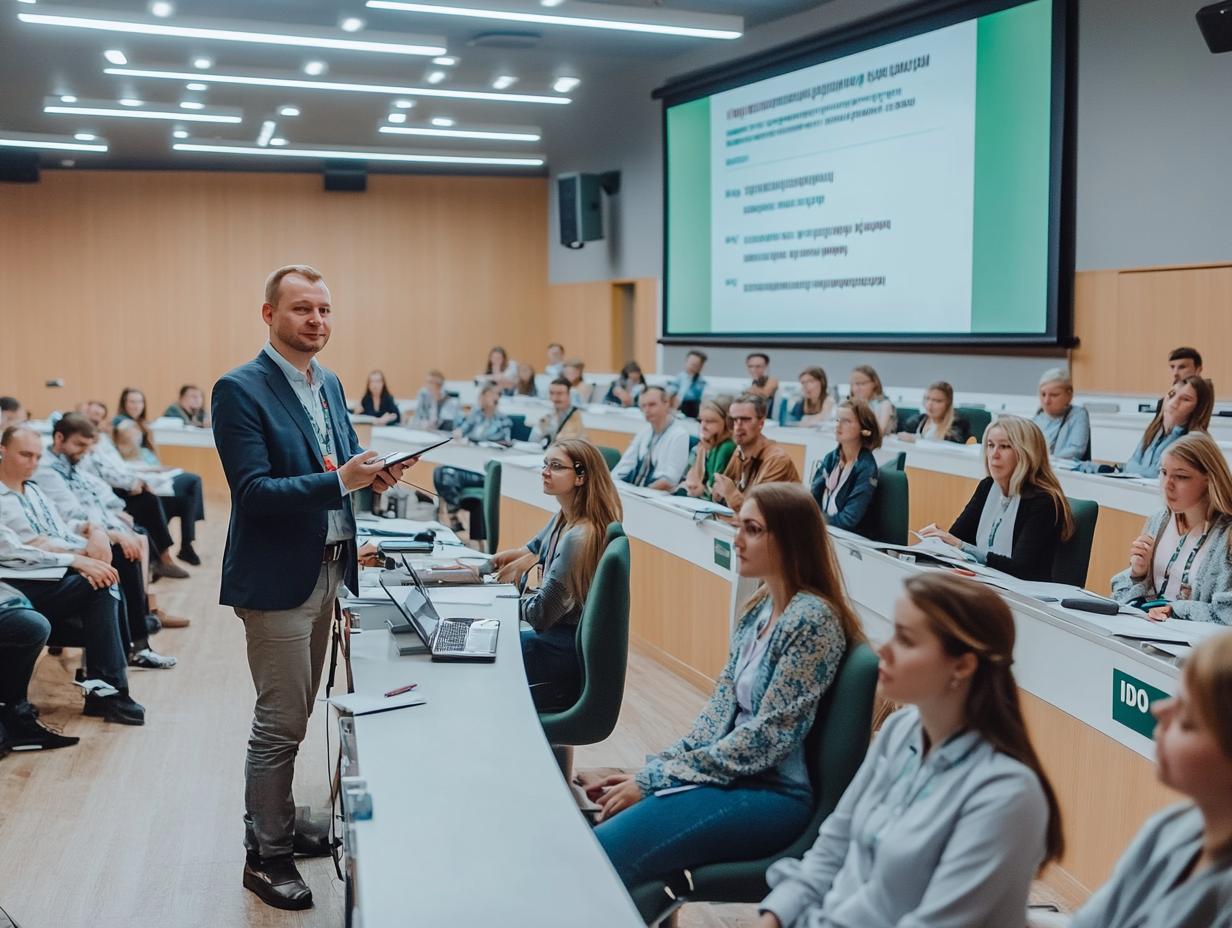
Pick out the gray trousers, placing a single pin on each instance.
(286, 655)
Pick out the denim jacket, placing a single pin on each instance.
(800, 662)
(856, 493)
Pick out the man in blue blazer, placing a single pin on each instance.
(292, 460)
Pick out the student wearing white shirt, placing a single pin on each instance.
(500, 370)
(865, 384)
(659, 455)
(556, 361)
(1181, 566)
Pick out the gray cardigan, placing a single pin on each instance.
(948, 840)
(1143, 891)
(551, 604)
(1212, 584)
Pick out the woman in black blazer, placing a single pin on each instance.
(1018, 514)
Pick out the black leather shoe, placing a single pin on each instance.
(277, 882)
(27, 733)
(189, 556)
(311, 837)
(113, 708)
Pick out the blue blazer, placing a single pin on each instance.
(854, 496)
(280, 490)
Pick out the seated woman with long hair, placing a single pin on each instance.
(1181, 565)
(744, 757)
(377, 401)
(566, 552)
(815, 405)
(1018, 514)
(950, 816)
(865, 384)
(715, 447)
(937, 419)
(1186, 408)
(846, 479)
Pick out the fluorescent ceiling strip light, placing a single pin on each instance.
(596, 18)
(94, 108)
(463, 133)
(352, 154)
(48, 142)
(298, 83)
(310, 38)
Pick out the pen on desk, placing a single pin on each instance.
(400, 690)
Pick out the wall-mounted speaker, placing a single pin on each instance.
(345, 176)
(19, 167)
(579, 198)
(1215, 21)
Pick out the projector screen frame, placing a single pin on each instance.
(871, 32)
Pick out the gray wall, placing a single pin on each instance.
(1154, 133)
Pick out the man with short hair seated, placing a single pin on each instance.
(11, 412)
(565, 419)
(658, 457)
(190, 409)
(757, 459)
(23, 633)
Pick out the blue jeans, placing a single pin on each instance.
(711, 824)
(99, 612)
(23, 632)
(552, 667)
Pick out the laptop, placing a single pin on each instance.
(446, 639)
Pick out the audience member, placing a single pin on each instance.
(140, 501)
(1181, 565)
(950, 815)
(757, 364)
(1186, 407)
(815, 405)
(39, 522)
(556, 361)
(500, 370)
(866, 385)
(566, 553)
(658, 456)
(23, 633)
(1066, 427)
(747, 789)
(1018, 514)
(625, 389)
(938, 420)
(846, 479)
(1184, 362)
(579, 390)
(434, 408)
(1177, 873)
(11, 412)
(563, 421)
(526, 381)
(181, 493)
(377, 401)
(190, 408)
(483, 423)
(757, 459)
(713, 450)
(687, 387)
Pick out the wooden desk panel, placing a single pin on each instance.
(602, 437)
(203, 462)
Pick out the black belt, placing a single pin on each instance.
(333, 552)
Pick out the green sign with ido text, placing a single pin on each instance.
(1131, 703)
(722, 553)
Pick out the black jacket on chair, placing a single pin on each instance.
(1037, 532)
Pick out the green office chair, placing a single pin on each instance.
(905, 415)
(978, 419)
(603, 649)
(1073, 557)
(834, 750)
(614, 530)
(483, 504)
(887, 515)
(520, 431)
(900, 461)
(611, 456)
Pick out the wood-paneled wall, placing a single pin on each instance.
(155, 279)
(587, 318)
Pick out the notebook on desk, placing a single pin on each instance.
(446, 639)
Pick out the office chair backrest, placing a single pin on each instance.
(887, 515)
(491, 506)
(1073, 557)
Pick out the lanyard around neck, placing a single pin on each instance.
(1206, 530)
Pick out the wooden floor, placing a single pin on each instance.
(141, 827)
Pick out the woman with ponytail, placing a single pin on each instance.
(1178, 871)
(950, 816)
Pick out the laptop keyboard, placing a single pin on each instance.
(451, 636)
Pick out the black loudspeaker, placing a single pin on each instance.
(19, 167)
(1215, 21)
(580, 200)
(346, 176)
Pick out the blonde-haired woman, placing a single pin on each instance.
(567, 552)
(866, 385)
(714, 448)
(1018, 513)
(815, 405)
(1178, 871)
(1181, 565)
(1066, 427)
(938, 420)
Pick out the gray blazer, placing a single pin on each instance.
(1212, 584)
(1142, 891)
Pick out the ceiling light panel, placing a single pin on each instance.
(356, 154)
(565, 84)
(491, 134)
(39, 141)
(504, 82)
(115, 56)
(255, 80)
(136, 109)
(233, 31)
(586, 16)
